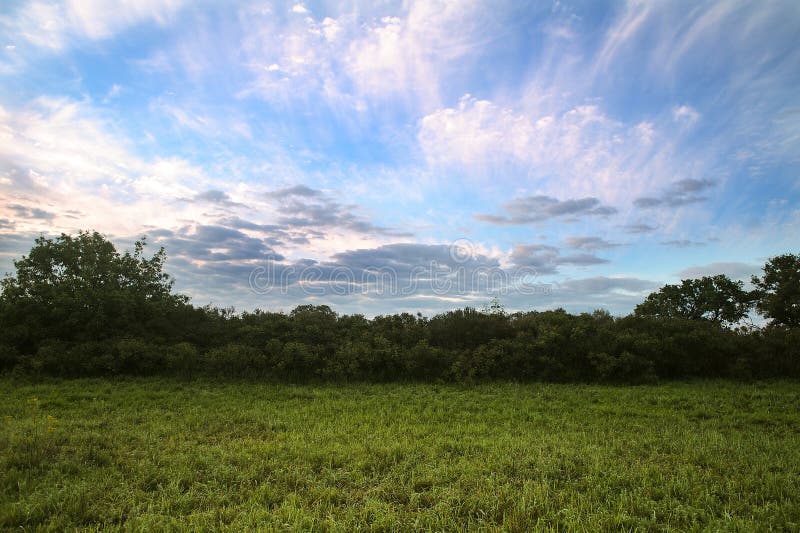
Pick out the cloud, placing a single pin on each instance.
(402, 272)
(54, 25)
(560, 146)
(546, 259)
(617, 294)
(209, 243)
(408, 54)
(639, 228)
(667, 40)
(275, 234)
(746, 87)
(734, 270)
(603, 285)
(682, 243)
(302, 207)
(59, 152)
(355, 58)
(399, 118)
(296, 190)
(409, 255)
(534, 209)
(112, 93)
(22, 211)
(58, 136)
(218, 197)
(680, 193)
(685, 114)
(589, 243)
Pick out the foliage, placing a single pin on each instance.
(76, 307)
(778, 290)
(81, 289)
(717, 298)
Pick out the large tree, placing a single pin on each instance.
(715, 298)
(778, 290)
(81, 288)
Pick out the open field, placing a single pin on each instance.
(165, 454)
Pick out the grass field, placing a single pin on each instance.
(161, 455)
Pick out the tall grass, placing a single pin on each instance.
(163, 454)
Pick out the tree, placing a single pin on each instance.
(80, 288)
(494, 307)
(718, 299)
(778, 290)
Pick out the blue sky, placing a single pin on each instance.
(580, 154)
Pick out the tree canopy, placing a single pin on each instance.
(778, 290)
(76, 306)
(82, 288)
(715, 298)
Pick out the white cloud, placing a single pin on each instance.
(736, 271)
(356, 56)
(112, 93)
(59, 137)
(685, 114)
(52, 24)
(414, 53)
(64, 167)
(579, 149)
(289, 60)
(65, 157)
(477, 131)
(625, 28)
(299, 8)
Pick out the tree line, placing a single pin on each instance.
(77, 307)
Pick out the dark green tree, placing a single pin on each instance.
(79, 288)
(778, 290)
(715, 298)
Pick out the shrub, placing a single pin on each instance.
(236, 360)
(137, 357)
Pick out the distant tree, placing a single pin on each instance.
(778, 290)
(494, 307)
(715, 298)
(80, 288)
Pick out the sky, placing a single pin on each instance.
(417, 156)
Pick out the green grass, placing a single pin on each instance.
(167, 455)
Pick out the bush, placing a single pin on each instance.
(9, 357)
(138, 357)
(182, 359)
(622, 368)
(236, 360)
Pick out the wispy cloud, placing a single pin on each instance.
(302, 207)
(682, 243)
(295, 190)
(28, 212)
(216, 197)
(680, 193)
(734, 270)
(55, 24)
(639, 228)
(579, 147)
(335, 134)
(534, 209)
(685, 114)
(353, 59)
(547, 259)
(590, 243)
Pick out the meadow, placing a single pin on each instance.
(166, 454)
